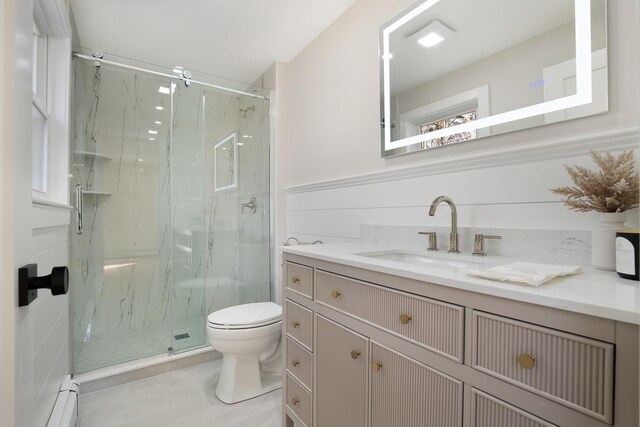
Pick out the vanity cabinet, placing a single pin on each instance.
(391, 351)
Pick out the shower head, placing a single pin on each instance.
(246, 110)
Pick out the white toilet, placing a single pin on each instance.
(248, 336)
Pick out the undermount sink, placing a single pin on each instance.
(422, 259)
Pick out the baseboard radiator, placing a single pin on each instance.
(65, 411)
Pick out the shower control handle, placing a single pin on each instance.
(251, 204)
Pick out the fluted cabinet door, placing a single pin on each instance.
(341, 391)
(406, 393)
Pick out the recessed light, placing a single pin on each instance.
(431, 39)
(224, 148)
(153, 132)
(141, 160)
(164, 89)
(159, 108)
(152, 139)
(240, 143)
(246, 136)
(157, 122)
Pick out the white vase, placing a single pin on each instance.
(603, 240)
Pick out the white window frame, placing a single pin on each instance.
(44, 107)
(51, 18)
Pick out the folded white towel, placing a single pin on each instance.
(525, 273)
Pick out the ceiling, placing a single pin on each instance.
(234, 39)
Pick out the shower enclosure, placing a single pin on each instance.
(172, 199)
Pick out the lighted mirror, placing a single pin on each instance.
(454, 71)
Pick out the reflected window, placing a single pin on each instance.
(454, 120)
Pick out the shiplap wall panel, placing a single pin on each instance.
(487, 411)
(49, 315)
(346, 222)
(409, 394)
(511, 196)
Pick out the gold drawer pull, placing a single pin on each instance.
(527, 361)
(295, 401)
(405, 318)
(355, 354)
(295, 323)
(335, 294)
(376, 366)
(295, 363)
(295, 279)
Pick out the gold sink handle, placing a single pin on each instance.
(295, 362)
(295, 279)
(336, 294)
(355, 354)
(295, 323)
(376, 366)
(295, 401)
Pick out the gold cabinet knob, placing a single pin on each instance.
(295, 363)
(295, 401)
(527, 361)
(405, 318)
(376, 366)
(335, 294)
(295, 279)
(295, 323)
(355, 354)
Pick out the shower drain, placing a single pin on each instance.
(181, 336)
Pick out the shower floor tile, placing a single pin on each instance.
(130, 344)
(182, 398)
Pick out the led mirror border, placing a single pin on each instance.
(583, 81)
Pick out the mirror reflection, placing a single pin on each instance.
(457, 70)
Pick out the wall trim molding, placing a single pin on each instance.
(618, 139)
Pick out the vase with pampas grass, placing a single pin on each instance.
(612, 190)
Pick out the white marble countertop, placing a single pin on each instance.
(593, 292)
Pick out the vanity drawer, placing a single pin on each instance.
(299, 400)
(299, 279)
(299, 363)
(487, 411)
(300, 324)
(433, 324)
(569, 369)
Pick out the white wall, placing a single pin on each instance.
(328, 129)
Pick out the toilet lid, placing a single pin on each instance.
(246, 316)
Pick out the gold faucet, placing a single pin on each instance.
(453, 237)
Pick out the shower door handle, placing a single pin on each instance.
(79, 204)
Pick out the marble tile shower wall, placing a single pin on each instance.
(160, 244)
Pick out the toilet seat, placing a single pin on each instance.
(245, 316)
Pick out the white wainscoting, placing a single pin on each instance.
(493, 196)
(49, 315)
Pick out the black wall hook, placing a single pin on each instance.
(29, 282)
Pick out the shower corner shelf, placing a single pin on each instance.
(90, 154)
(95, 193)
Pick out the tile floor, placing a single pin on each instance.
(183, 398)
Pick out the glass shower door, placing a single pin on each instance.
(120, 263)
(232, 161)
